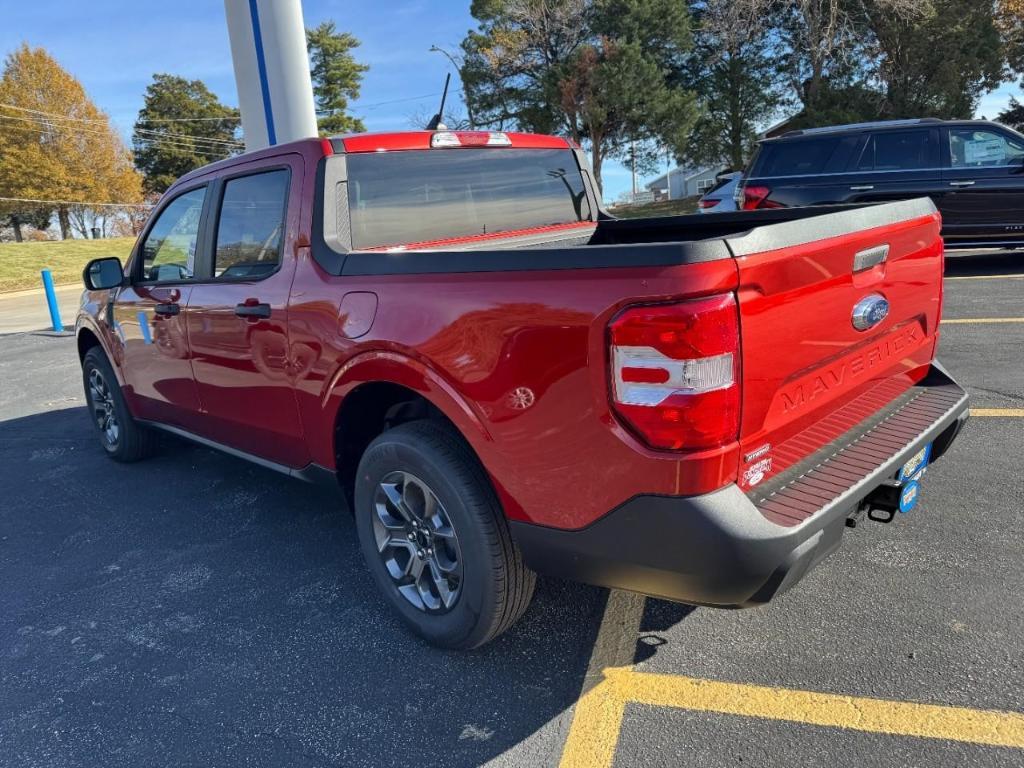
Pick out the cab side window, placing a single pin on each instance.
(169, 250)
(971, 148)
(250, 229)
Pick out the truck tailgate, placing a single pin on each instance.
(809, 375)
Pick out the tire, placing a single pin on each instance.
(121, 436)
(484, 586)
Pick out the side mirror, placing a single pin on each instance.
(101, 274)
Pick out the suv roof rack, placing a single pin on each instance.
(856, 126)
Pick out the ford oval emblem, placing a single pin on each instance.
(870, 311)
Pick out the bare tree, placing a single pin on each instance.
(820, 36)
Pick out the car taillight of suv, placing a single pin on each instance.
(756, 196)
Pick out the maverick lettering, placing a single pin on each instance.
(808, 390)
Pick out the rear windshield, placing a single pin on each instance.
(397, 198)
(804, 157)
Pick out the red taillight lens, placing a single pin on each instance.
(708, 203)
(675, 372)
(757, 197)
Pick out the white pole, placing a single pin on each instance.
(268, 49)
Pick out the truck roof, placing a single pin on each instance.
(390, 142)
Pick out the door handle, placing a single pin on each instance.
(862, 187)
(961, 183)
(167, 310)
(252, 309)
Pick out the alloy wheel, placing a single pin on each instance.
(417, 543)
(101, 400)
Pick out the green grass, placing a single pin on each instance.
(649, 210)
(20, 263)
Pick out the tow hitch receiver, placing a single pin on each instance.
(884, 502)
(901, 493)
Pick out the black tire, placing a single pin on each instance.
(121, 436)
(494, 587)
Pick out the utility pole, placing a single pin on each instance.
(632, 157)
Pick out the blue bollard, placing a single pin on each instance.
(51, 302)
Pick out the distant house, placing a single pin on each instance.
(684, 182)
(779, 128)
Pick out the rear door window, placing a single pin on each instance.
(399, 198)
(972, 148)
(898, 151)
(250, 228)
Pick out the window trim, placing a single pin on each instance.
(210, 240)
(138, 258)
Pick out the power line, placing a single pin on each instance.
(76, 202)
(38, 120)
(188, 142)
(147, 131)
(180, 119)
(56, 116)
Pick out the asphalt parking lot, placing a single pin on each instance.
(196, 610)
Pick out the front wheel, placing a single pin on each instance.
(435, 538)
(121, 436)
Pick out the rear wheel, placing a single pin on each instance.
(435, 538)
(121, 437)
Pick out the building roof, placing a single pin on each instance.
(661, 182)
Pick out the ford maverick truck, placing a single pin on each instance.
(505, 380)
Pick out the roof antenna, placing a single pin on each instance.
(435, 123)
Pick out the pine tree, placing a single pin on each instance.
(337, 77)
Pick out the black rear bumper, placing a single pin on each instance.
(719, 549)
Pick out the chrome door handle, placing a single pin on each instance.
(961, 183)
(862, 187)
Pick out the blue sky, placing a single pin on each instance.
(114, 46)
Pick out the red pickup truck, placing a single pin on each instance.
(505, 380)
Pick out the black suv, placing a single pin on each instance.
(973, 170)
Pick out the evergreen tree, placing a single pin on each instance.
(182, 126)
(337, 77)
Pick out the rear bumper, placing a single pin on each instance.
(720, 549)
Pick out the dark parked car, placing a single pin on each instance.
(973, 170)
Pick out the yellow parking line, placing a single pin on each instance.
(597, 718)
(611, 683)
(899, 718)
(989, 276)
(983, 320)
(1014, 413)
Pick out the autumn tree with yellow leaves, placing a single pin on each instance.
(58, 152)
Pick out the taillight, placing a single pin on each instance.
(675, 372)
(708, 203)
(757, 197)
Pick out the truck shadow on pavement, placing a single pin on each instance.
(194, 609)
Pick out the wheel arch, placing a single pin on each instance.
(86, 340)
(382, 390)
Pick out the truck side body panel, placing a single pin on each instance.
(527, 355)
